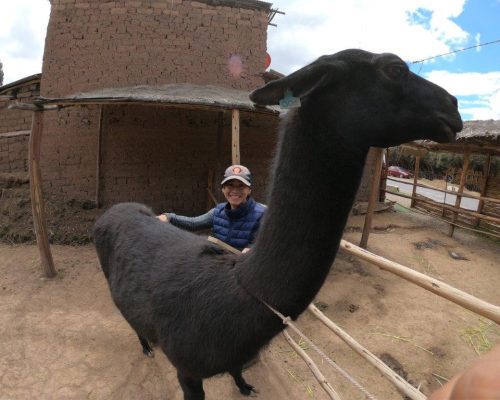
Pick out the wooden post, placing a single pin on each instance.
(219, 168)
(37, 205)
(454, 217)
(210, 187)
(444, 197)
(416, 171)
(484, 187)
(235, 137)
(98, 161)
(374, 193)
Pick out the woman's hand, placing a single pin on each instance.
(162, 217)
(479, 382)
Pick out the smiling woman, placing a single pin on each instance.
(236, 221)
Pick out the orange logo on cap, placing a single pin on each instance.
(236, 170)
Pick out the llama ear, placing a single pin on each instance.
(300, 83)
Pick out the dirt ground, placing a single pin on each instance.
(68, 222)
(64, 339)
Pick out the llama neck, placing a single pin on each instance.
(308, 206)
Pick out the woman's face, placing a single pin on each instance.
(236, 192)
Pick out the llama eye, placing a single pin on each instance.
(396, 71)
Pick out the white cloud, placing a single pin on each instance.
(413, 29)
(23, 26)
(478, 93)
(466, 83)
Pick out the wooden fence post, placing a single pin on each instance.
(374, 194)
(463, 176)
(99, 159)
(235, 137)
(416, 171)
(37, 204)
(484, 186)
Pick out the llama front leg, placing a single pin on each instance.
(245, 388)
(146, 348)
(192, 388)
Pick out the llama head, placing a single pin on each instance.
(373, 99)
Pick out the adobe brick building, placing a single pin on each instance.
(162, 156)
(15, 125)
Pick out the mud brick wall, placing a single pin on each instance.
(69, 152)
(92, 44)
(14, 120)
(17, 120)
(163, 156)
(15, 126)
(14, 152)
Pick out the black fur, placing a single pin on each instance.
(200, 306)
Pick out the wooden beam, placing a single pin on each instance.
(235, 137)
(374, 194)
(416, 171)
(435, 286)
(37, 204)
(32, 107)
(463, 177)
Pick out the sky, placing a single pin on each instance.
(413, 29)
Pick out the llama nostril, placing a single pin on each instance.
(454, 101)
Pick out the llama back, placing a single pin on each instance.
(114, 227)
(134, 250)
(130, 235)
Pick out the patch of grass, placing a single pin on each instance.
(309, 389)
(427, 266)
(403, 339)
(477, 336)
(440, 378)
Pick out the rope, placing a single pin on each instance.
(288, 321)
(456, 51)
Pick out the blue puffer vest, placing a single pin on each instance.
(237, 227)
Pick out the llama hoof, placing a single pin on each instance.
(149, 353)
(247, 390)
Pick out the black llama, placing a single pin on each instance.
(205, 310)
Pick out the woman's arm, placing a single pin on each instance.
(198, 223)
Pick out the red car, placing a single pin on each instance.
(399, 172)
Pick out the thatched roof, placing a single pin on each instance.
(181, 95)
(476, 137)
(481, 131)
